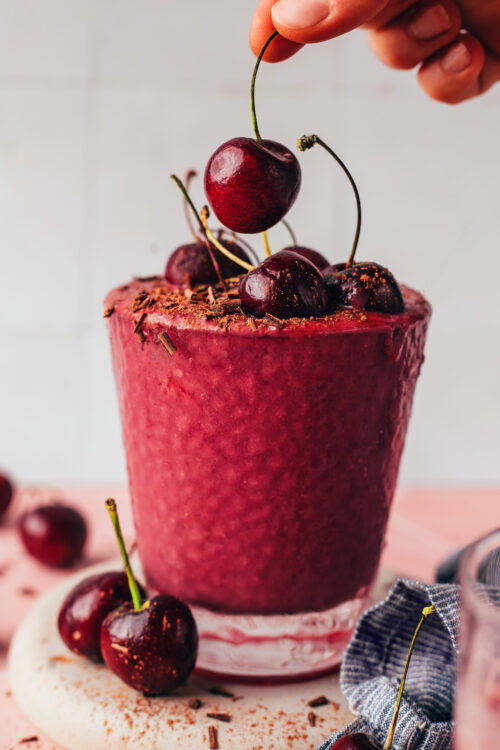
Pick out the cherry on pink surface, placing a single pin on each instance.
(285, 285)
(85, 608)
(6, 492)
(153, 649)
(53, 534)
(250, 185)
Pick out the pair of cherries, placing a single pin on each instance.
(149, 644)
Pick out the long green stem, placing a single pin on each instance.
(206, 231)
(134, 588)
(308, 141)
(425, 613)
(252, 86)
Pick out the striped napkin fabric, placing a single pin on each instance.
(374, 662)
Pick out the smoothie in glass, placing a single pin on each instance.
(262, 458)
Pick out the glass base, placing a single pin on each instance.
(276, 648)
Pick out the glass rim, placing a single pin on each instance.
(467, 574)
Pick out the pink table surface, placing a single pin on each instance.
(426, 525)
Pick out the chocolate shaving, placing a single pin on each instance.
(211, 295)
(275, 321)
(167, 343)
(216, 690)
(139, 323)
(321, 700)
(141, 336)
(108, 312)
(252, 324)
(219, 716)
(146, 278)
(311, 718)
(213, 738)
(34, 738)
(195, 703)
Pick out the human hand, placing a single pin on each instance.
(456, 43)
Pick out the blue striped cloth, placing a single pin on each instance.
(374, 662)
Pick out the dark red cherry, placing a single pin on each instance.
(6, 492)
(54, 534)
(318, 259)
(153, 649)
(191, 264)
(364, 286)
(357, 741)
(86, 606)
(250, 185)
(285, 285)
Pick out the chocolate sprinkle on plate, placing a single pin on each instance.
(213, 738)
(321, 700)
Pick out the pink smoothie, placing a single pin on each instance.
(262, 455)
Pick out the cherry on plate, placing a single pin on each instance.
(190, 265)
(285, 285)
(250, 185)
(85, 608)
(53, 534)
(152, 649)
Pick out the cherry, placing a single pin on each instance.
(86, 606)
(357, 741)
(6, 492)
(285, 285)
(191, 264)
(151, 646)
(364, 286)
(251, 185)
(318, 259)
(53, 534)
(153, 649)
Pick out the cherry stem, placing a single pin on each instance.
(307, 142)
(187, 180)
(290, 231)
(208, 234)
(134, 589)
(425, 613)
(215, 242)
(266, 244)
(252, 86)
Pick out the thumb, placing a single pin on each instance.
(306, 21)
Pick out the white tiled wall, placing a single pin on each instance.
(100, 100)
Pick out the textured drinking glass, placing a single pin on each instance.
(477, 708)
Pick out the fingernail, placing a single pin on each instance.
(457, 59)
(430, 23)
(298, 14)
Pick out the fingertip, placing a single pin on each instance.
(261, 29)
(452, 75)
